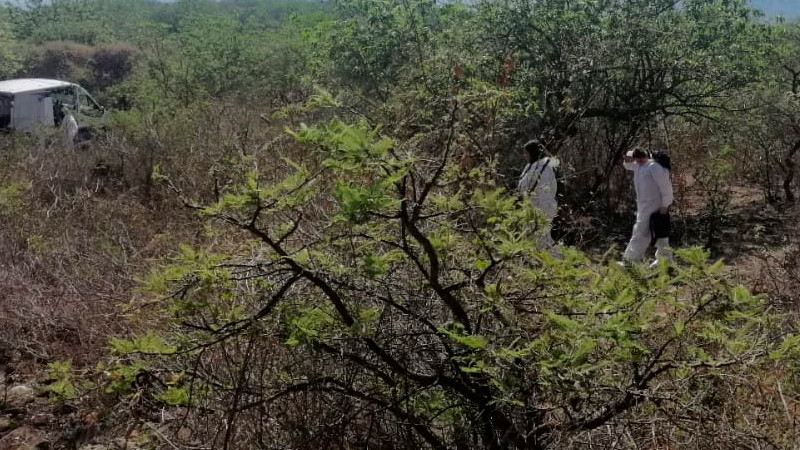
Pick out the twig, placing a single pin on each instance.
(785, 406)
(161, 435)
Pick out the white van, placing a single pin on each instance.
(29, 104)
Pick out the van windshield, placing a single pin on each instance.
(87, 105)
(5, 111)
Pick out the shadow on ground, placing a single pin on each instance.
(745, 230)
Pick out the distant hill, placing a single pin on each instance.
(787, 8)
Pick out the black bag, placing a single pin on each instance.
(560, 183)
(660, 226)
(663, 160)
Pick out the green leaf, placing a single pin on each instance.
(149, 343)
(175, 396)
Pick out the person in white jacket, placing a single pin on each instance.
(653, 195)
(538, 182)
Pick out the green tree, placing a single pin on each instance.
(774, 125)
(624, 64)
(9, 59)
(603, 71)
(216, 56)
(386, 285)
(79, 21)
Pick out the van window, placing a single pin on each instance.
(87, 105)
(5, 111)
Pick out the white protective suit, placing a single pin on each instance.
(653, 191)
(538, 180)
(70, 126)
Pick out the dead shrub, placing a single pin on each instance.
(111, 64)
(62, 60)
(72, 241)
(96, 68)
(779, 275)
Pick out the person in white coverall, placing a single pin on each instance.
(538, 182)
(653, 195)
(70, 127)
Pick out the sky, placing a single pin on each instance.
(787, 8)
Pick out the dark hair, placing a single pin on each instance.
(639, 153)
(533, 148)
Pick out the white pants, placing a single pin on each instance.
(641, 238)
(549, 209)
(546, 241)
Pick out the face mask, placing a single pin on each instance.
(630, 165)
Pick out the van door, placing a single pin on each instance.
(32, 111)
(6, 102)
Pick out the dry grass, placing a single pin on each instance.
(72, 241)
(78, 227)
